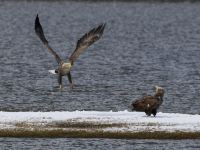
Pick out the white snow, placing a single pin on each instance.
(130, 121)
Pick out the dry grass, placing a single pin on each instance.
(79, 125)
(97, 134)
(88, 130)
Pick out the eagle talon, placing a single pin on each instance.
(72, 86)
(61, 86)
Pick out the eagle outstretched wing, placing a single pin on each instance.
(40, 34)
(87, 40)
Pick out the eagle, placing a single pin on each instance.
(150, 104)
(64, 67)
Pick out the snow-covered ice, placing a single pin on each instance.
(127, 121)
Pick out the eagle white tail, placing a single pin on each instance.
(52, 71)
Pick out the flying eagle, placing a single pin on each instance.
(84, 42)
(150, 104)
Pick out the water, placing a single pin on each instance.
(100, 144)
(144, 44)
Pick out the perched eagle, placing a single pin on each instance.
(85, 41)
(150, 104)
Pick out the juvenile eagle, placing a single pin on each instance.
(150, 104)
(85, 41)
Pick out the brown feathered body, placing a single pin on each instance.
(150, 104)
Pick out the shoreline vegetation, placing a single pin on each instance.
(62, 133)
(89, 130)
(96, 124)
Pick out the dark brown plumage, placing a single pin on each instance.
(150, 104)
(87, 40)
(40, 34)
(84, 42)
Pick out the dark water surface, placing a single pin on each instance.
(144, 44)
(100, 144)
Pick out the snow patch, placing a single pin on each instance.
(128, 121)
